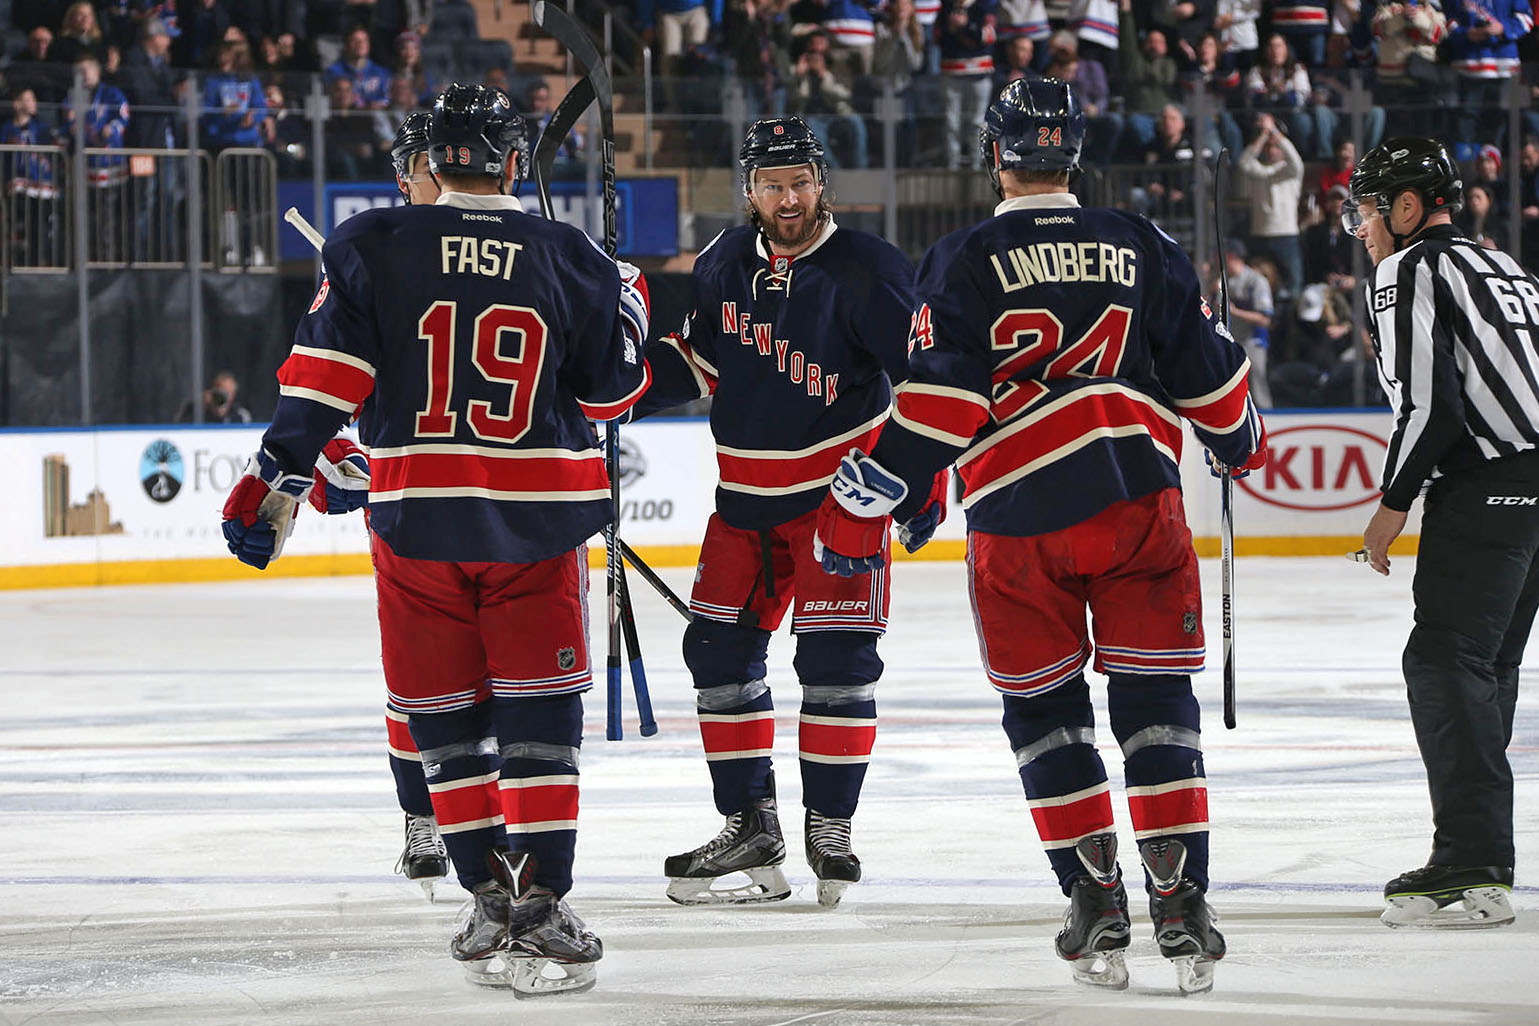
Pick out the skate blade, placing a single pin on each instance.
(428, 886)
(1194, 973)
(1479, 909)
(531, 977)
(1105, 969)
(830, 892)
(765, 883)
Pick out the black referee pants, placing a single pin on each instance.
(1476, 591)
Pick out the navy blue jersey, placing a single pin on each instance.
(800, 354)
(477, 341)
(1051, 354)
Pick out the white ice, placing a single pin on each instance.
(197, 826)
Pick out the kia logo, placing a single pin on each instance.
(1318, 468)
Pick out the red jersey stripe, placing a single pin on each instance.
(1060, 825)
(1160, 812)
(609, 411)
(526, 470)
(542, 803)
(349, 381)
(741, 736)
(472, 800)
(1222, 410)
(945, 414)
(774, 472)
(399, 735)
(837, 738)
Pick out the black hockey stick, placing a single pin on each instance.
(650, 576)
(1226, 479)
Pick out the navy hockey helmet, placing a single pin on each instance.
(1413, 163)
(410, 139)
(472, 130)
(780, 142)
(1033, 125)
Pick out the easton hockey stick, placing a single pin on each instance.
(596, 85)
(305, 228)
(1226, 479)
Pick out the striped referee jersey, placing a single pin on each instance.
(1456, 330)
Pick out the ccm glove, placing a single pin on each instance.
(854, 518)
(261, 509)
(635, 303)
(1255, 461)
(341, 480)
(920, 527)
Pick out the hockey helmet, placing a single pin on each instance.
(1033, 125)
(472, 130)
(410, 139)
(1410, 162)
(780, 142)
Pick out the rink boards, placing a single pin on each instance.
(141, 504)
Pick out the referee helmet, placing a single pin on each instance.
(1405, 163)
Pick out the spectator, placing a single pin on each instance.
(1488, 172)
(350, 150)
(1278, 84)
(1328, 247)
(1023, 19)
(676, 25)
(29, 184)
(370, 82)
(287, 133)
(1018, 54)
(219, 403)
(1235, 22)
(1483, 46)
(292, 56)
(1309, 367)
(327, 22)
(759, 42)
(1409, 77)
(105, 120)
(852, 33)
(150, 84)
(1339, 170)
(823, 101)
(1478, 220)
(1171, 154)
(965, 34)
(899, 52)
(537, 111)
(1184, 22)
(234, 105)
(1149, 79)
(33, 70)
(1304, 24)
(1274, 177)
(408, 67)
(79, 36)
(203, 24)
(1250, 316)
(1103, 129)
(1214, 75)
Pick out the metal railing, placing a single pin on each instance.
(246, 199)
(35, 212)
(137, 207)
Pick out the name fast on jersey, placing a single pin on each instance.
(470, 254)
(1065, 262)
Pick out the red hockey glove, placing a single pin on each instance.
(854, 518)
(261, 509)
(341, 478)
(920, 527)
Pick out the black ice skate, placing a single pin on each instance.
(1095, 930)
(750, 843)
(829, 855)
(424, 860)
(516, 934)
(1450, 897)
(1183, 920)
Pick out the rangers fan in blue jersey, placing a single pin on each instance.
(798, 331)
(1055, 349)
(476, 342)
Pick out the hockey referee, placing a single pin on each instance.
(1455, 328)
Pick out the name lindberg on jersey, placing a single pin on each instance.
(791, 362)
(1065, 262)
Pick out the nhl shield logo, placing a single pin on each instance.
(1189, 623)
(566, 658)
(780, 264)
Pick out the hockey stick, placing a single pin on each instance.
(1226, 480)
(305, 228)
(596, 82)
(650, 576)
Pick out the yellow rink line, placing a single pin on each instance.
(226, 568)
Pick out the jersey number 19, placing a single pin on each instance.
(437, 327)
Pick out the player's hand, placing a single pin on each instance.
(261, 509)
(920, 527)
(855, 515)
(341, 478)
(1255, 461)
(635, 303)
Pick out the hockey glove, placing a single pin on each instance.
(1255, 461)
(635, 303)
(855, 515)
(261, 509)
(920, 527)
(341, 478)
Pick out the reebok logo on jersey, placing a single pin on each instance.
(481, 217)
(1052, 220)
(831, 606)
(1512, 500)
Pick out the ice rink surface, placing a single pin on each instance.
(197, 826)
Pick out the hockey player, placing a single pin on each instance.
(797, 331)
(478, 342)
(1054, 350)
(1453, 327)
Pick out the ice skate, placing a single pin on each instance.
(750, 843)
(1183, 920)
(518, 935)
(424, 860)
(1450, 897)
(829, 855)
(1096, 932)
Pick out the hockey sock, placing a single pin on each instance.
(459, 763)
(838, 670)
(540, 740)
(1053, 735)
(1158, 724)
(406, 765)
(737, 717)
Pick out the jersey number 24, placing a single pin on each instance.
(488, 337)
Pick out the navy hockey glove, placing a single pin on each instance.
(261, 509)
(635, 303)
(855, 515)
(341, 478)
(1255, 461)
(920, 528)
